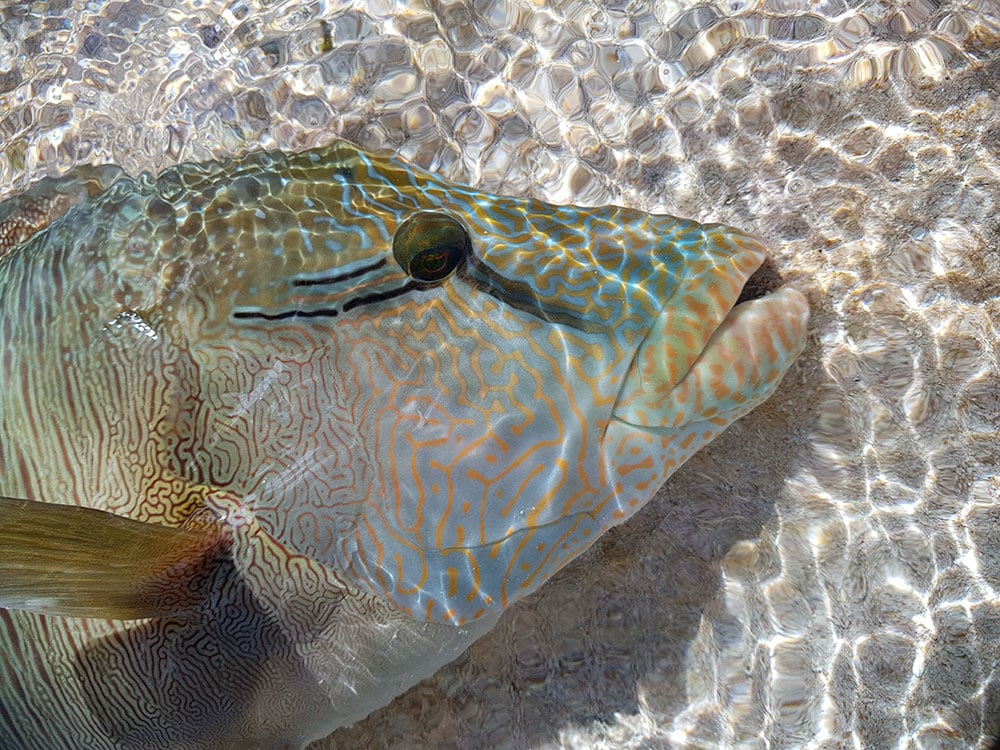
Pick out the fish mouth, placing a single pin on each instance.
(675, 383)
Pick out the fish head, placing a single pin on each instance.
(456, 393)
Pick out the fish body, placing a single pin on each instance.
(371, 408)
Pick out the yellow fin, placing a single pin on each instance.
(82, 562)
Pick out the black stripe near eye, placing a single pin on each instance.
(340, 276)
(328, 312)
(367, 299)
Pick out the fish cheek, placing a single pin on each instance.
(487, 432)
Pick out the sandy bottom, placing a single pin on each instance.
(824, 575)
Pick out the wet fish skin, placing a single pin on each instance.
(237, 343)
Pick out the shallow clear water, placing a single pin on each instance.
(826, 574)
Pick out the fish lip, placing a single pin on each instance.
(739, 367)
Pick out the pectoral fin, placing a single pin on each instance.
(81, 562)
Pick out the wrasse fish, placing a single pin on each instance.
(282, 435)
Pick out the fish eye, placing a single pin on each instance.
(430, 245)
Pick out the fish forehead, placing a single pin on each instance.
(271, 225)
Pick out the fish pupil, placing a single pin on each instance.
(433, 262)
(430, 245)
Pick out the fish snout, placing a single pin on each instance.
(720, 344)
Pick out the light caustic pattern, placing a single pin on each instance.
(445, 446)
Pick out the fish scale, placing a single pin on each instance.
(348, 409)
